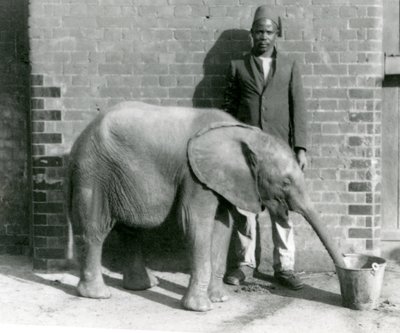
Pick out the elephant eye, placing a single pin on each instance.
(286, 182)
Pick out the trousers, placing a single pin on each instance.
(282, 238)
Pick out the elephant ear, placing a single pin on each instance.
(222, 159)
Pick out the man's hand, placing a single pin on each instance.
(301, 158)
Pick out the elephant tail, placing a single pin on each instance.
(71, 249)
(71, 243)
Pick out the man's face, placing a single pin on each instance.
(264, 33)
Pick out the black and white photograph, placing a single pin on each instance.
(191, 166)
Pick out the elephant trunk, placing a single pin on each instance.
(314, 220)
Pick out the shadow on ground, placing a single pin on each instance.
(307, 292)
(15, 272)
(66, 280)
(152, 295)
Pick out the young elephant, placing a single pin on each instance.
(136, 163)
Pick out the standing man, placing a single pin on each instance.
(265, 90)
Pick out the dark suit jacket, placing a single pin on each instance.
(275, 105)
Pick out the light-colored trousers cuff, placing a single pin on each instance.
(282, 237)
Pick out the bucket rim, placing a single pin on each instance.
(380, 261)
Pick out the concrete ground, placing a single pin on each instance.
(48, 302)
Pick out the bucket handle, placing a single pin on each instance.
(375, 266)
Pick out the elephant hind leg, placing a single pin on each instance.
(136, 276)
(91, 283)
(95, 223)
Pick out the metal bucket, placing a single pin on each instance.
(361, 281)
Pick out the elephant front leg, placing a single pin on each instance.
(135, 274)
(200, 221)
(91, 282)
(220, 246)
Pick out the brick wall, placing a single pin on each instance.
(14, 110)
(89, 54)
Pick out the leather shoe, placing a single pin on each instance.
(239, 275)
(288, 279)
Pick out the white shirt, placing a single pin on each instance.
(266, 63)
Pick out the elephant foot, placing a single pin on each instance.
(93, 289)
(139, 280)
(218, 295)
(196, 302)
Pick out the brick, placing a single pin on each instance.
(331, 129)
(79, 115)
(37, 127)
(360, 233)
(374, 11)
(165, 11)
(46, 138)
(46, 92)
(36, 80)
(329, 93)
(361, 69)
(38, 150)
(296, 46)
(39, 196)
(180, 92)
(360, 164)
(326, 104)
(57, 219)
(331, 208)
(46, 115)
(364, 23)
(88, 22)
(185, 69)
(40, 242)
(360, 209)
(48, 207)
(167, 81)
(337, 116)
(327, 185)
(350, 34)
(37, 104)
(50, 253)
(182, 11)
(361, 93)
(348, 11)
(182, 34)
(148, 81)
(50, 231)
(47, 161)
(330, 69)
(374, 34)
(361, 116)
(355, 141)
(365, 45)
(313, 57)
(360, 187)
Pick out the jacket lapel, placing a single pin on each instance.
(256, 73)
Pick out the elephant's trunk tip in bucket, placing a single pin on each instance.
(361, 281)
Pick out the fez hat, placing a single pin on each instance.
(266, 12)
